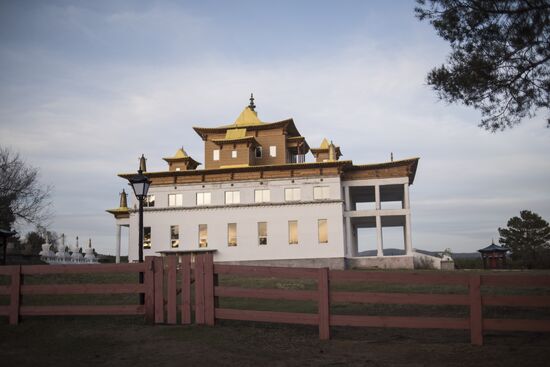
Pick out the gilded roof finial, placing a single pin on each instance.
(142, 165)
(123, 199)
(252, 106)
(391, 156)
(331, 152)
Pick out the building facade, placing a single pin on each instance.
(258, 201)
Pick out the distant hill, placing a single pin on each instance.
(397, 252)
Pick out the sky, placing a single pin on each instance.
(87, 87)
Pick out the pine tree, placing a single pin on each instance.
(528, 238)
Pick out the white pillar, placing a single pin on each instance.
(379, 240)
(347, 198)
(407, 228)
(377, 196)
(117, 251)
(406, 203)
(349, 239)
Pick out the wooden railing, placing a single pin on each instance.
(18, 289)
(172, 277)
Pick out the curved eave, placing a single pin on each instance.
(242, 169)
(246, 139)
(119, 212)
(410, 163)
(288, 124)
(184, 159)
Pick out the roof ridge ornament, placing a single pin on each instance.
(252, 106)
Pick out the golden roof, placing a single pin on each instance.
(247, 118)
(235, 134)
(181, 153)
(324, 144)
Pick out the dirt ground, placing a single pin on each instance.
(127, 341)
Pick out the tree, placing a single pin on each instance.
(500, 58)
(528, 238)
(22, 196)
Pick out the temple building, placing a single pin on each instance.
(258, 201)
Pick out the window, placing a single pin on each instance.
(149, 201)
(262, 196)
(146, 237)
(262, 233)
(175, 236)
(233, 154)
(292, 232)
(322, 230)
(232, 234)
(232, 197)
(216, 154)
(203, 235)
(203, 198)
(175, 199)
(292, 194)
(273, 151)
(321, 192)
(258, 152)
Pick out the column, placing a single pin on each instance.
(349, 239)
(117, 251)
(377, 196)
(347, 203)
(406, 203)
(379, 240)
(407, 229)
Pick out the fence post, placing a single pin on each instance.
(15, 294)
(199, 289)
(324, 304)
(159, 290)
(186, 289)
(172, 290)
(149, 289)
(209, 317)
(476, 311)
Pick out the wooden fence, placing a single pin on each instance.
(18, 289)
(172, 277)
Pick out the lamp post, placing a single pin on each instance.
(140, 184)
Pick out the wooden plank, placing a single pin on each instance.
(515, 280)
(400, 298)
(83, 268)
(476, 310)
(149, 282)
(324, 304)
(209, 317)
(15, 294)
(199, 290)
(516, 301)
(5, 270)
(516, 325)
(159, 290)
(4, 290)
(400, 322)
(407, 278)
(76, 310)
(171, 291)
(186, 289)
(267, 316)
(264, 293)
(4, 310)
(27, 289)
(266, 271)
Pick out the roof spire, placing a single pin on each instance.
(252, 106)
(123, 199)
(142, 166)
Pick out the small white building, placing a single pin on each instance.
(258, 202)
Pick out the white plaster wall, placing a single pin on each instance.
(247, 214)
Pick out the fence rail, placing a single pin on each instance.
(169, 283)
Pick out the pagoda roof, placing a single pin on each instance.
(181, 155)
(494, 248)
(244, 139)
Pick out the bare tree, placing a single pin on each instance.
(22, 196)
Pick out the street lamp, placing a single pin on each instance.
(140, 184)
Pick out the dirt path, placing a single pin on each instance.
(128, 342)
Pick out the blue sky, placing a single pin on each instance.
(86, 87)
